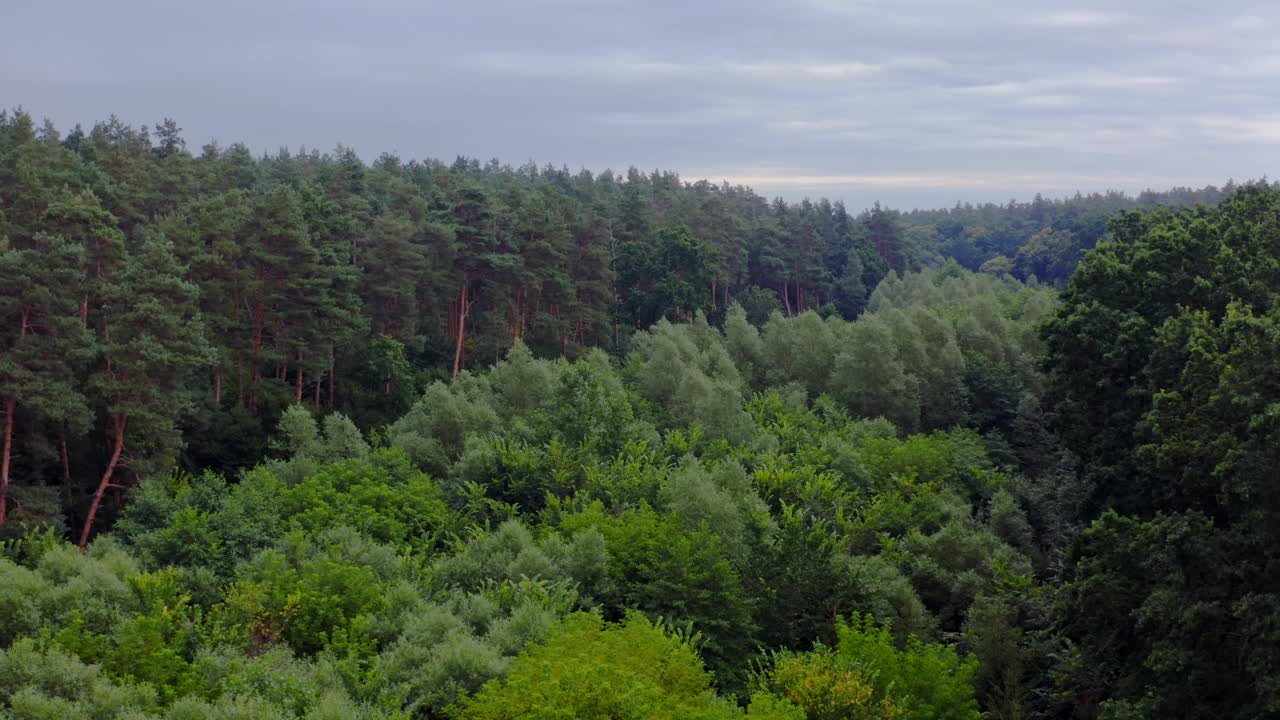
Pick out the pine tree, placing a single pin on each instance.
(211, 238)
(885, 235)
(80, 218)
(156, 335)
(285, 288)
(41, 341)
(391, 265)
(592, 279)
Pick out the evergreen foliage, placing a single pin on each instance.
(408, 440)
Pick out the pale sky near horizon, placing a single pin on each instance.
(915, 103)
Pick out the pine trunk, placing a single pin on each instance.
(297, 388)
(217, 385)
(10, 406)
(120, 421)
(786, 299)
(331, 381)
(66, 460)
(462, 328)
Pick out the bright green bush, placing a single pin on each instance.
(868, 676)
(586, 668)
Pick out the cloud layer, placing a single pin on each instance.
(912, 102)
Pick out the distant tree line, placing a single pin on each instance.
(1042, 239)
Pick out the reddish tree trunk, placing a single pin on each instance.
(120, 421)
(713, 294)
(462, 328)
(786, 299)
(84, 313)
(258, 312)
(67, 463)
(297, 388)
(217, 385)
(331, 385)
(67, 500)
(10, 406)
(316, 396)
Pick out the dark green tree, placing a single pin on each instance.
(43, 343)
(153, 336)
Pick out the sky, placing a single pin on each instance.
(913, 103)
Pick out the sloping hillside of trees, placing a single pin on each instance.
(169, 305)
(212, 289)
(299, 437)
(722, 498)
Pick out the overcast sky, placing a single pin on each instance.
(911, 102)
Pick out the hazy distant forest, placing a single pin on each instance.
(295, 436)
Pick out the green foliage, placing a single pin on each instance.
(721, 500)
(46, 684)
(825, 689)
(449, 649)
(588, 669)
(867, 675)
(658, 567)
(1162, 381)
(67, 587)
(759, 304)
(738, 418)
(202, 522)
(512, 554)
(156, 645)
(591, 407)
(434, 431)
(308, 594)
(384, 497)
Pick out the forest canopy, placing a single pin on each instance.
(297, 436)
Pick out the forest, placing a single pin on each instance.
(297, 436)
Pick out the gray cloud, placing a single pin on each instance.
(912, 102)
